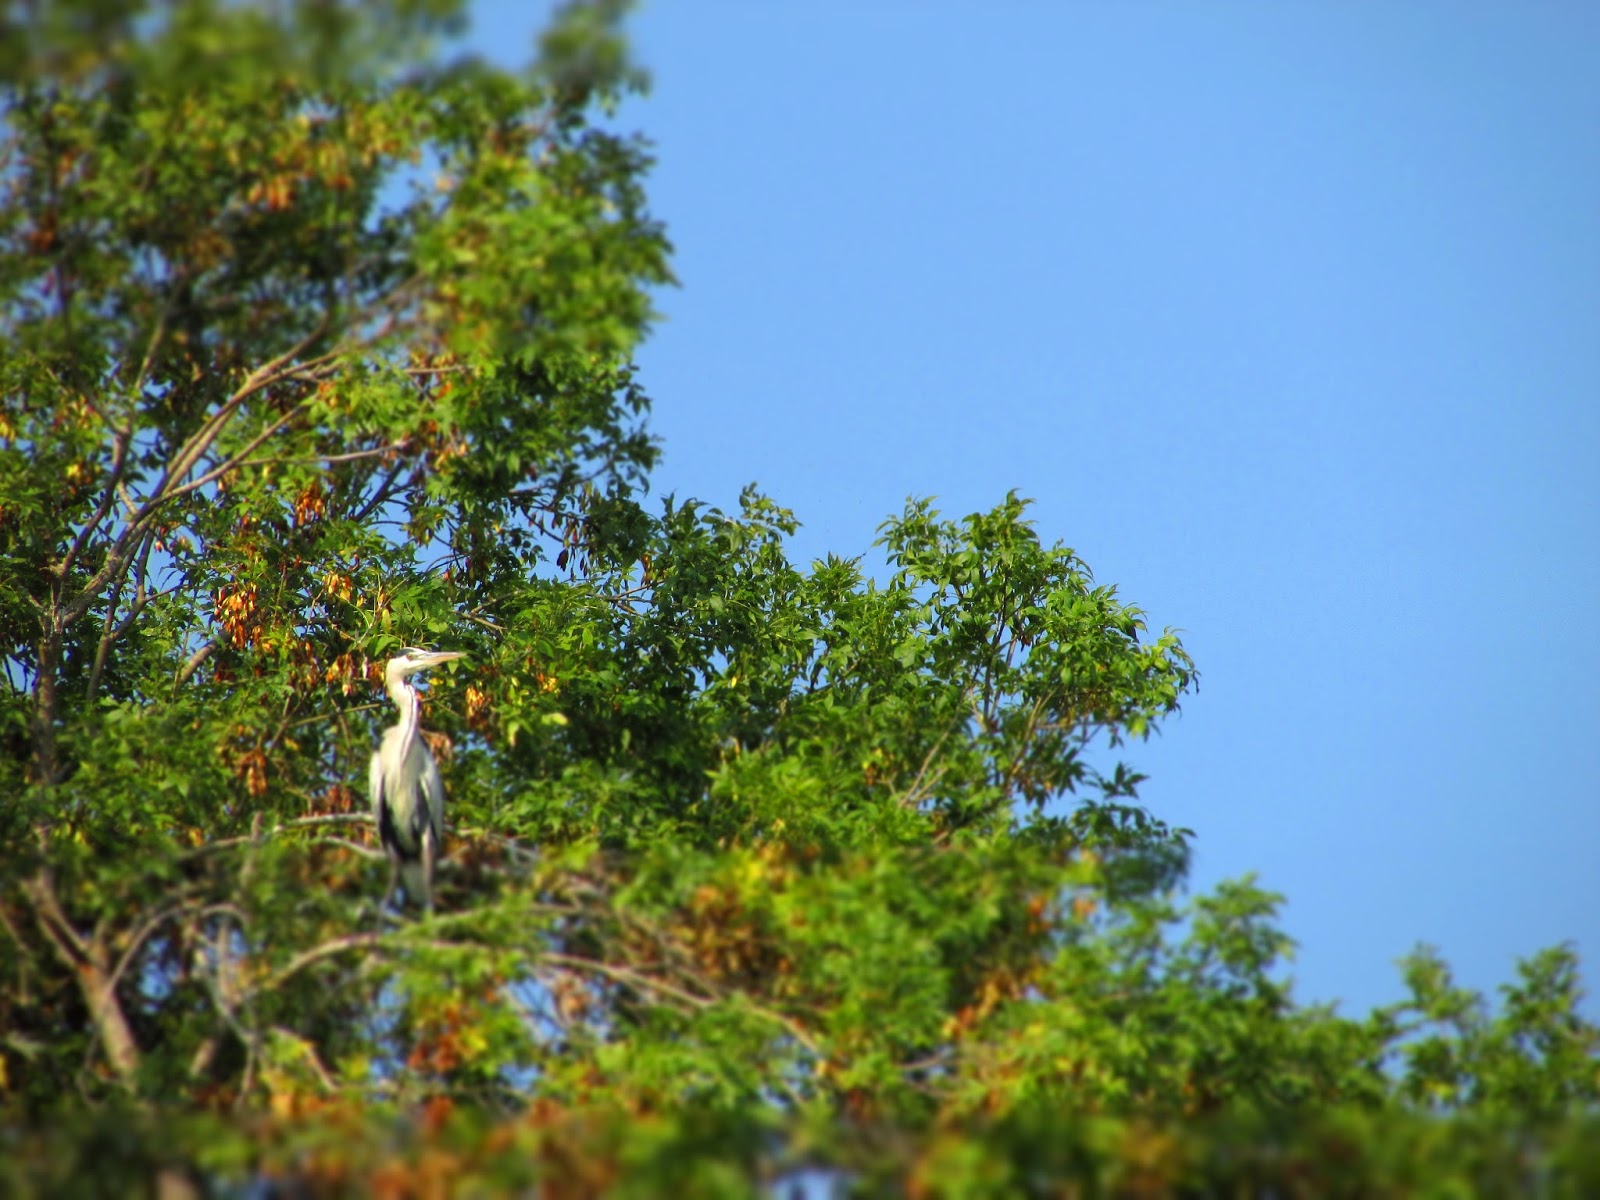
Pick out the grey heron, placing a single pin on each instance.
(403, 781)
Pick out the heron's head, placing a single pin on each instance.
(411, 660)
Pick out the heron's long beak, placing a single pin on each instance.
(434, 657)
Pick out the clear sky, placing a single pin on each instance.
(1287, 315)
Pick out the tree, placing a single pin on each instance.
(319, 344)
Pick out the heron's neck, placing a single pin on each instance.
(410, 705)
(399, 691)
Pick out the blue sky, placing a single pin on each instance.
(1285, 314)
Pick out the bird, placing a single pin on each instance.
(404, 785)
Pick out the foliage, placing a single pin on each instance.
(319, 344)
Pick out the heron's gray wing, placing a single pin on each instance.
(375, 785)
(433, 794)
(387, 802)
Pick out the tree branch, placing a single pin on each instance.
(191, 665)
(268, 373)
(185, 459)
(627, 976)
(340, 945)
(88, 960)
(631, 978)
(113, 631)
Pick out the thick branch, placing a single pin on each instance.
(121, 550)
(120, 441)
(46, 764)
(635, 979)
(90, 961)
(351, 941)
(192, 664)
(268, 373)
(114, 629)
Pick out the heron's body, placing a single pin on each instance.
(406, 791)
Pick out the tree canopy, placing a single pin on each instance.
(319, 343)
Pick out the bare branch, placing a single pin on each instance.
(631, 978)
(157, 334)
(228, 464)
(213, 847)
(151, 923)
(88, 961)
(324, 1076)
(120, 441)
(339, 714)
(385, 492)
(112, 632)
(328, 819)
(354, 847)
(284, 366)
(923, 784)
(353, 941)
(627, 976)
(24, 954)
(192, 664)
(340, 945)
(52, 921)
(263, 376)
(353, 456)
